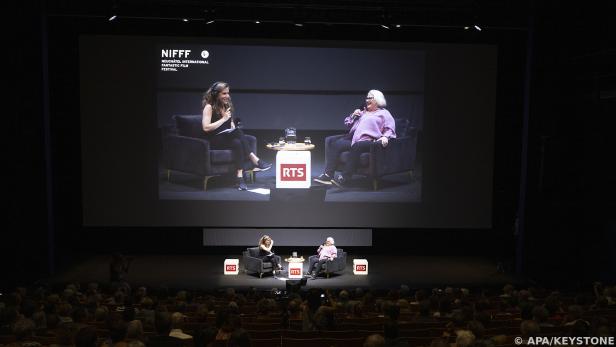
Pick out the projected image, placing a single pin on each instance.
(240, 121)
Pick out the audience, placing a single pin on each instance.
(109, 316)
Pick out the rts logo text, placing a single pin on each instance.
(292, 172)
(231, 268)
(294, 272)
(360, 267)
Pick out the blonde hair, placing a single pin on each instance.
(264, 238)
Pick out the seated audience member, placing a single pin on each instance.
(465, 338)
(227, 323)
(324, 319)
(239, 338)
(374, 340)
(23, 329)
(425, 315)
(541, 315)
(86, 337)
(439, 342)
(177, 323)
(162, 323)
(134, 334)
(117, 332)
(529, 328)
(391, 332)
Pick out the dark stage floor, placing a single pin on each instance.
(393, 188)
(206, 272)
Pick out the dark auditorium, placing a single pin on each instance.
(309, 173)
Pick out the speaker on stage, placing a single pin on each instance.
(314, 194)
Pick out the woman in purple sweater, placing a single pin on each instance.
(373, 123)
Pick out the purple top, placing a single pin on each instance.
(327, 252)
(371, 126)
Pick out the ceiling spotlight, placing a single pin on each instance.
(384, 26)
(184, 20)
(257, 22)
(210, 21)
(466, 27)
(113, 17)
(298, 24)
(398, 25)
(477, 27)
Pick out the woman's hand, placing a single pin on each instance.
(227, 114)
(357, 113)
(384, 141)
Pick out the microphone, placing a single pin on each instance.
(362, 108)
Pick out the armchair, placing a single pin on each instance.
(398, 156)
(186, 149)
(337, 264)
(252, 262)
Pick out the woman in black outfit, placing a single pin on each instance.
(222, 133)
(265, 251)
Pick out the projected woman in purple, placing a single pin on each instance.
(265, 251)
(222, 132)
(367, 125)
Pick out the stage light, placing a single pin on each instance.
(384, 26)
(184, 20)
(113, 17)
(398, 25)
(257, 22)
(477, 27)
(210, 16)
(466, 27)
(298, 24)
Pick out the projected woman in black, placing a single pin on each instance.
(221, 130)
(265, 251)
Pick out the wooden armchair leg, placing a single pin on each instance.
(375, 184)
(168, 175)
(205, 180)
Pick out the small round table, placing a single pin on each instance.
(296, 267)
(298, 146)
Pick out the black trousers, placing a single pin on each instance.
(316, 265)
(235, 140)
(353, 160)
(270, 259)
(333, 153)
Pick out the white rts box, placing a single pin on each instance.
(293, 169)
(232, 266)
(296, 269)
(360, 266)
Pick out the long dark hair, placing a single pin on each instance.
(211, 97)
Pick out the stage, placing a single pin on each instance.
(205, 272)
(398, 188)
